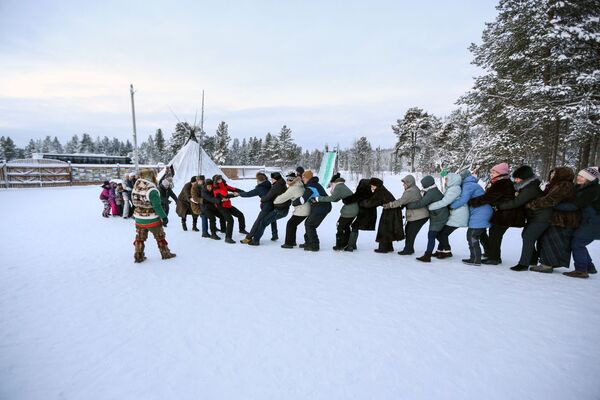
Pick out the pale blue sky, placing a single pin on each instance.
(330, 70)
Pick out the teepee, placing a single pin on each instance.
(191, 160)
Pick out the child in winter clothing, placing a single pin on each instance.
(459, 217)
(112, 199)
(479, 217)
(104, 197)
(437, 217)
(119, 198)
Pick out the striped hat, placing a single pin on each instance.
(590, 173)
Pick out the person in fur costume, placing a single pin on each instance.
(149, 216)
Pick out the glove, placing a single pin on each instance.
(165, 221)
(296, 203)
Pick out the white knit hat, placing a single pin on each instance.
(590, 173)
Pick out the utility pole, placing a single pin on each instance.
(135, 147)
(201, 136)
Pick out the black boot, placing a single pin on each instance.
(425, 257)
(352, 241)
(195, 225)
(184, 224)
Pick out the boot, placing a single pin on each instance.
(244, 232)
(542, 268)
(470, 261)
(229, 240)
(253, 243)
(287, 246)
(592, 270)
(352, 241)
(206, 235)
(246, 241)
(195, 225)
(441, 254)
(406, 253)
(214, 236)
(184, 224)
(274, 238)
(139, 257)
(576, 274)
(520, 267)
(166, 254)
(425, 257)
(489, 261)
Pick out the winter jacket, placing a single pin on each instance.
(105, 193)
(588, 201)
(278, 188)
(339, 192)
(312, 190)
(183, 200)
(559, 189)
(391, 226)
(437, 218)
(459, 217)
(148, 209)
(410, 195)
(165, 193)
(527, 191)
(499, 190)
(293, 192)
(209, 200)
(260, 190)
(367, 217)
(479, 217)
(197, 200)
(221, 190)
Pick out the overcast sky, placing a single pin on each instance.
(330, 70)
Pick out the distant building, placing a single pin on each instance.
(84, 158)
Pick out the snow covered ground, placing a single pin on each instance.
(80, 320)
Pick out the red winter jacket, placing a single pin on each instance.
(222, 190)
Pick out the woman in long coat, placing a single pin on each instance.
(391, 228)
(366, 220)
(184, 207)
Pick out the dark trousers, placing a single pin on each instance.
(473, 237)
(444, 238)
(581, 255)
(291, 228)
(210, 214)
(257, 223)
(412, 229)
(228, 214)
(204, 219)
(342, 235)
(269, 219)
(530, 235)
(312, 223)
(492, 242)
(431, 236)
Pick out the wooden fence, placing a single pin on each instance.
(51, 173)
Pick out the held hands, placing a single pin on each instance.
(165, 221)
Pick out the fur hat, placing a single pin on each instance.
(590, 173)
(523, 172)
(148, 174)
(276, 175)
(427, 181)
(375, 182)
(501, 168)
(308, 174)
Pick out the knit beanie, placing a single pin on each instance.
(590, 173)
(523, 172)
(276, 175)
(501, 168)
(335, 177)
(299, 171)
(427, 181)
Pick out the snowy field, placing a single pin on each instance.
(80, 320)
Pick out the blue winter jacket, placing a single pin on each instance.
(459, 217)
(479, 217)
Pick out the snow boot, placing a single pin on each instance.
(229, 240)
(246, 241)
(406, 253)
(576, 274)
(352, 241)
(520, 267)
(139, 257)
(425, 257)
(214, 236)
(489, 261)
(253, 243)
(184, 224)
(542, 268)
(244, 232)
(166, 254)
(205, 235)
(195, 226)
(441, 254)
(274, 238)
(592, 270)
(287, 246)
(470, 261)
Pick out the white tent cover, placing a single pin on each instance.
(185, 163)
